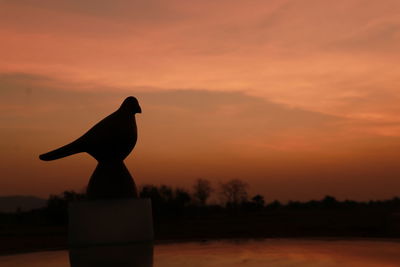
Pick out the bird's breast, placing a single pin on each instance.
(117, 143)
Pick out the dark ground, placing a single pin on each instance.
(20, 234)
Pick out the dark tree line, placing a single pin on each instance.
(168, 201)
(228, 197)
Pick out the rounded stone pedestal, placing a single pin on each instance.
(111, 179)
(111, 221)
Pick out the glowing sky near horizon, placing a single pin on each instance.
(298, 98)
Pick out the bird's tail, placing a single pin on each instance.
(61, 152)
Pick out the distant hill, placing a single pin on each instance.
(24, 203)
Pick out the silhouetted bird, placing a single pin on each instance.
(110, 141)
(113, 138)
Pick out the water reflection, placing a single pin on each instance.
(242, 253)
(132, 255)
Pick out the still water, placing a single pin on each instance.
(244, 253)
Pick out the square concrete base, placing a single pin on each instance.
(131, 255)
(116, 221)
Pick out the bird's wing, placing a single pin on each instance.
(92, 139)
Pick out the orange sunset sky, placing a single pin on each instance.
(299, 98)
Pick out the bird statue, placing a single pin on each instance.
(110, 141)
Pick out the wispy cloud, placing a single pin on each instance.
(185, 132)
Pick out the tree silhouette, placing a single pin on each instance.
(233, 192)
(201, 191)
(258, 201)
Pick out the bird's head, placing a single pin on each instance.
(131, 105)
